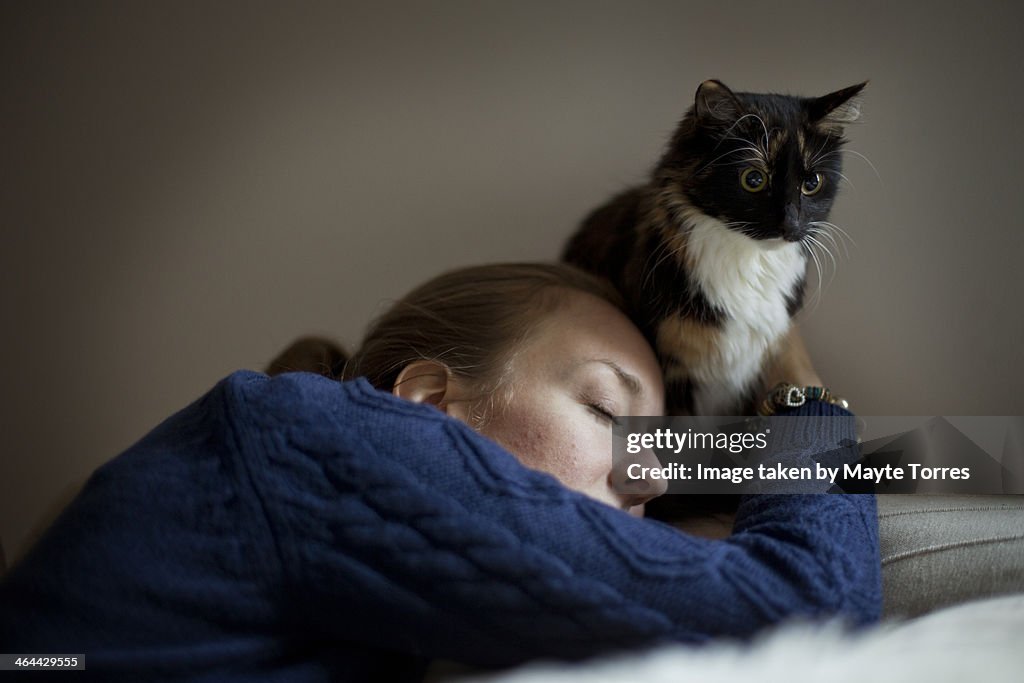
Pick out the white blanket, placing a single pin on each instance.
(979, 641)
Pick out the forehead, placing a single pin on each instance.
(631, 382)
(780, 132)
(589, 322)
(584, 327)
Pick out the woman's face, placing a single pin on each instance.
(585, 364)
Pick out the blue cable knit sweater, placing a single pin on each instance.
(302, 529)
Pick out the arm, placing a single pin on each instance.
(275, 512)
(447, 547)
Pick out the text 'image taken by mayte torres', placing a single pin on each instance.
(702, 455)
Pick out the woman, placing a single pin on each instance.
(301, 528)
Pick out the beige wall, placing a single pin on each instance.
(187, 186)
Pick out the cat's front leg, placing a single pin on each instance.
(687, 349)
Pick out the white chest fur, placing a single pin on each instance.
(748, 279)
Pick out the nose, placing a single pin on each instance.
(792, 226)
(635, 491)
(634, 503)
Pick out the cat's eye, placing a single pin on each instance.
(753, 179)
(812, 184)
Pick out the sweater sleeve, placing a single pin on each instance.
(398, 527)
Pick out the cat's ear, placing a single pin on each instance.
(715, 104)
(836, 109)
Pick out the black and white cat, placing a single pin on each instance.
(712, 252)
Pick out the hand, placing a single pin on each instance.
(791, 364)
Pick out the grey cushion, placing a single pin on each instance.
(941, 550)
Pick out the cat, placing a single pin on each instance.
(711, 253)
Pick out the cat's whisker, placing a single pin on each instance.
(647, 263)
(827, 234)
(766, 135)
(835, 227)
(824, 233)
(730, 152)
(832, 257)
(665, 250)
(840, 241)
(761, 152)
(866, 160)
(817, 266)
(858, 154)
(726, 136)
(756, 144)
(758, 155)
(823, 282)
(649, 272)
(679, 249)
(838, 173)
(817, 155)
(827, 252)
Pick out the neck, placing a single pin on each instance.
(748, 278)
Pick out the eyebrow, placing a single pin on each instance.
(630, 381)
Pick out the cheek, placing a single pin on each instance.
(527, 439)
(818, 207)
(561, 444)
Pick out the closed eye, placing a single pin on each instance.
(603, 413)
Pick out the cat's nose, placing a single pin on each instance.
(792, 226)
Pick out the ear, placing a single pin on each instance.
(835, 110)
(425, 381)
(715, 104)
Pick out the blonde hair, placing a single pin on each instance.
(473, 320)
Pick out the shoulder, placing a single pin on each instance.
(321, 418)
(303, 397)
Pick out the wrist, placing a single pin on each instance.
(786, 396)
